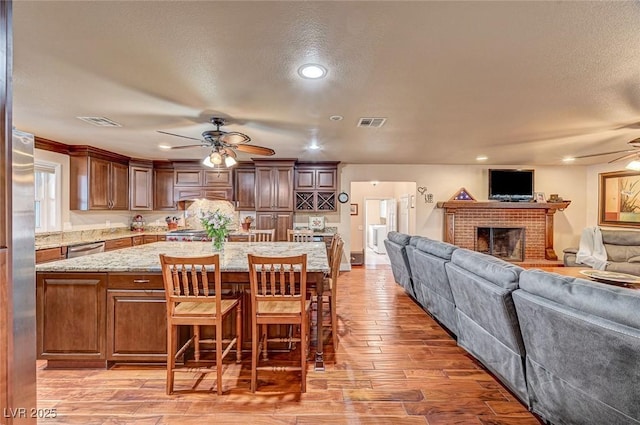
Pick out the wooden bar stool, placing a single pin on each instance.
(266, 235)
(330, 287)
(299, 235)
(278, 297)
(193, 300)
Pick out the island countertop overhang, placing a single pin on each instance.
(146, 258)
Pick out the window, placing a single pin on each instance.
(47, 208)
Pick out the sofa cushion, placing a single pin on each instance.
(493, 269)
(436, 248)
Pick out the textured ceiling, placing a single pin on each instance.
(520, 82)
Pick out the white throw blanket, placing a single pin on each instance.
(591, 251)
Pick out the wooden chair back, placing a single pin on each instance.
(332, 246)
(277, 279)
(299, 235)
(334, 262)
(187, 279)
(266, 235)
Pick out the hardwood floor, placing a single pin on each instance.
(394, 365)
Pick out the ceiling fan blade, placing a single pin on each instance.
(630, 155)
(177, 135)
(257, 150)
(230, 152)
(189, 146)
(605, 153)
(234, 138)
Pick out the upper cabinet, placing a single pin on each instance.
(99, 180)
(245, 186)
(316, 186)
(163, 195)
(193, 181)
(274, 185)
(140, 185)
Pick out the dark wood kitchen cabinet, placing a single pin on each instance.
(70, 316)
(274, 185)
(141, 185)
(136, 318)
(245, 187)
(99, 180)
(274, 196)
(316, 186)
(163, 195)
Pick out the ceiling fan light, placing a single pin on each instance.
(229, 161)
(215, 158)
(207, 162)
(633, 165)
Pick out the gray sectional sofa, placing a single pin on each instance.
(487, 322)
(396, 245)
(582, 341)
(427, 259)
(623, 251)
(568, 348)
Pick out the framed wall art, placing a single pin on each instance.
(354, 209)
(619, 199)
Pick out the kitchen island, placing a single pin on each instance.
(110, 307)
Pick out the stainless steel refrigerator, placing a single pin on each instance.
(22, 278)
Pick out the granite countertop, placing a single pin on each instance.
(145, 258)
(58, 239)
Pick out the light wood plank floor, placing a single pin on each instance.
(394, 365)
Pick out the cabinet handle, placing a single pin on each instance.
(141, 281)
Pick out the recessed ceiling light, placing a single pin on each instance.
(314, 146)
(164, 147)
(481, 158)
(312, 71)
(568, 159)
(336, 117)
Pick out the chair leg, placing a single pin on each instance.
(239, 333)
(254, 356)
(303, 355)
(219, 355)
(334, 322)
(263, 335)
(196, 342)
(172, 347)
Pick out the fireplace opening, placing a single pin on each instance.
(506, 243)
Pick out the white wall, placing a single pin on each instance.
(443, 181)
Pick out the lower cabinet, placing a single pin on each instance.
(136, 317)
(71, 316)
(281, 221)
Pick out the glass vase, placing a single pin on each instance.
(217, 241)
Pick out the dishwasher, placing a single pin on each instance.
(85, 249)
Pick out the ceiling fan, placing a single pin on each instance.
(223, 144)
(633, 150)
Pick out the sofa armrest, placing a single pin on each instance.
(569, 258)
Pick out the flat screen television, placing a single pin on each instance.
(511, 185)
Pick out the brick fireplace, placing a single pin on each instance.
(463, 218)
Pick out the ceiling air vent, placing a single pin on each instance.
(371, 122)
(100, 121)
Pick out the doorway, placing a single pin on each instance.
(378, 208)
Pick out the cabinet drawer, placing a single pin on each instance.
(137, 240)
(50, 254)
(135, 281)
(150, 238)
(117, 243)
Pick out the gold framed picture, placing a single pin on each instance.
(619, 199)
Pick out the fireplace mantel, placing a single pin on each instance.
(458, 220)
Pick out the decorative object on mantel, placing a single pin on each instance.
(553, 198)
(462, 195)
(428, 197)
(539, 197)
